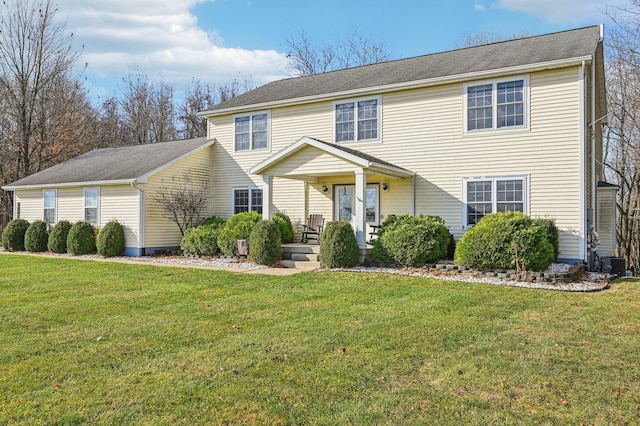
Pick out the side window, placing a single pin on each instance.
(247, 200)
(493, 195)
(91, 202)
(357, 121)
(496, 105)
(49, 212)
(251, 132)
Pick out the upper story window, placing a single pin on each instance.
(483, 196)
(357, 120)
(49, 212)
(251, 132)
(247, 200)
(91, 197)
(496, 105)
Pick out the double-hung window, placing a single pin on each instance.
(247, 200)
(496, 105)
(91, 201)
(357, 121)
(49, 212)
(483, 196)
(251, 132)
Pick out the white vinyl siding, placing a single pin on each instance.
(160, 230)
(121, 203)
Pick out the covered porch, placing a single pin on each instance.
(340, 183)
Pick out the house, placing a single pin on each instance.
(515, 125)
(121, 184)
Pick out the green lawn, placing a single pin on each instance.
(95, 342)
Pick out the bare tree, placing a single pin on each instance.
(45, 113)
(487, 37)
(307, 57)
(184, 203)
(147, 110)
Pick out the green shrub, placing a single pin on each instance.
(286, 227)
(110, 241)
(415, 240)
(237, 228)
(81, 239)
(505, 241)
(13, 235)
(451, 248)
(36, 237)
(265, 242)
(202, 240)
(214, 222)
(550, 228)
(58, 237)
(411, 240)
(338, 245)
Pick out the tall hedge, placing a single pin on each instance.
(506, 241)
(265, 242)
(110, 241)
(58, 237)
(551, 230)
(81, 239)
(237, 228)
(36, 237)
(13, 235)
(338, 245)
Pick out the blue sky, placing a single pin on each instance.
(217, 40)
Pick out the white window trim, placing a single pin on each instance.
(55, 207)
(84, 204)
(494, 106)
(251, 149)
(494, 201)
(355, 133)
(245, 188)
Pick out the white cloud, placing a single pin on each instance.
(566, 11)
(480, 7)
(161, 37)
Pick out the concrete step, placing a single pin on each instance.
(309, 257)
(301, 248)
(304, 265)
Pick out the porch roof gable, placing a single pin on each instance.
(355, 157)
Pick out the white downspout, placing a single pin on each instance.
(583, 166)
(141, 225)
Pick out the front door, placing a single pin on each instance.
(345, 205)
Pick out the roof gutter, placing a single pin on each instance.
(400, 86)
(69, 184)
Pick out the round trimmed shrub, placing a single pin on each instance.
(214, 222)
(415, 240)
(13, 235)
(58, 237)
(338, 245)
(36, 237)
(237, 228)
(265, 242)
(202, 240)
(110, 241)
(505, 241)
(411, 240)
(81, 239)
(286, 227)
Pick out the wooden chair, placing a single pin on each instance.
(313, 229)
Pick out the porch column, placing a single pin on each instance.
(361, 216)
(267, 197)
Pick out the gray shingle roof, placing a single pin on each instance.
(113, 164)
(578, 43)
